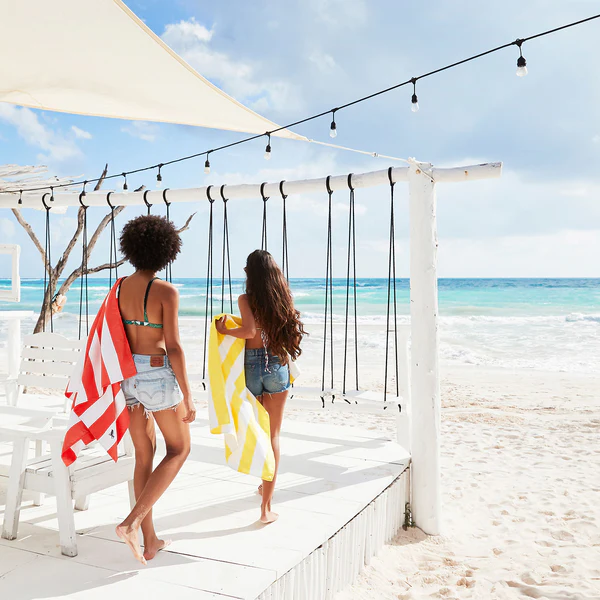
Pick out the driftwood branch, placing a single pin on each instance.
(102, 178)
(186, 225)
(27, 227)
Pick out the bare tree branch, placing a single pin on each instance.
(105, 266)
(102, 177)
(76, 274)
(186, 226)
(27, 227)
(102, 226)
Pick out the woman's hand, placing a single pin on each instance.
(190, 410)
(221, 325)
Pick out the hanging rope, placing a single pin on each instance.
(391, 294)
(351, 261)
(148, 205)
(225, 254)
(285, 262)
(209, 283)
(113, 260)
(47, 270)
(84, 271)
(328, 299)
(169, 267)
(263, 237)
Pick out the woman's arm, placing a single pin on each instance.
(248, 329)
(170, 306)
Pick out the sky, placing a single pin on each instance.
(287, 60)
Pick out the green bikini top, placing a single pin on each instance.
(145, 322)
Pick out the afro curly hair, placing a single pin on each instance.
(150, 242)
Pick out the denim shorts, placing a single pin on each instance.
(155, 388)
(265, 376)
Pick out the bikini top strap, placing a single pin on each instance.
(146, 297)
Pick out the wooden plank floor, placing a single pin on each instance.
(219, 548)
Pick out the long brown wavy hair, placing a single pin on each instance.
(272, 305)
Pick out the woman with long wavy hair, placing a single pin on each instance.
(273, 331)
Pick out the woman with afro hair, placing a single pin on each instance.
(160, 391)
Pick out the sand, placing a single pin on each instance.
(521, 477)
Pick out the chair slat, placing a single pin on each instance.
(47, 368)
(69, 355)
(51, 382)
(51, 340)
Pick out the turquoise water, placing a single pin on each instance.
(531, 323)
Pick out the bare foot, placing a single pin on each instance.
(268, 516)
(130, 536)
(259, 490)
(150, 550)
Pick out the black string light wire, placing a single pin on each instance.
(113, 260)
(328, 313)
(518, 42)
(285, 261)
(83, 281)
(263, 235)
(208, 312)
(47, 269)
(391, 296)
(351, 269)
(226, 257)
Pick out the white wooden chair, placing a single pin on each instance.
(46, 473)
(47, 361)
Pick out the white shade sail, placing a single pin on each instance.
(98, 58)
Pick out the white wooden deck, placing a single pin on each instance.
(341, 495)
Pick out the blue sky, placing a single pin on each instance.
(290, 59)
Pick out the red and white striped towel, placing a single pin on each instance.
(99, 411)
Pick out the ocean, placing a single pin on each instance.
(545, 324)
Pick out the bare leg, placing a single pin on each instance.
(143, 435)
(274, 405)
(177, 440)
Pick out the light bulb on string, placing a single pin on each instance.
(125, 182)
(83, 192)
(521, 62)
(268, 149)
(159, 183)
(414, 102)
(333, 127)
(207, 164)
(20, 197)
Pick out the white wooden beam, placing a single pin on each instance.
(245, 191)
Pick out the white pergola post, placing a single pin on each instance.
(425, 383)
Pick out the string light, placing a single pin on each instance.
(521, 62)
(159, 183)
(20, 201)
(521, 72)
(83, 192)
(414, 106)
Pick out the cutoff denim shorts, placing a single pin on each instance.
(155, 388)
(264, 376)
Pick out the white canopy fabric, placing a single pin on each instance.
(98, 58)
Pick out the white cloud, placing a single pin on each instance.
(7, 228)
(56, 147)
(596, 139)
(81, 134)
(324, 62)
(237, 77)
(62, 230)
(142, 130)
(340, 13)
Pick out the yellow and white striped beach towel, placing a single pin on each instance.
(233, 410)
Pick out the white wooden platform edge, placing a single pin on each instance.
(338, 562)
